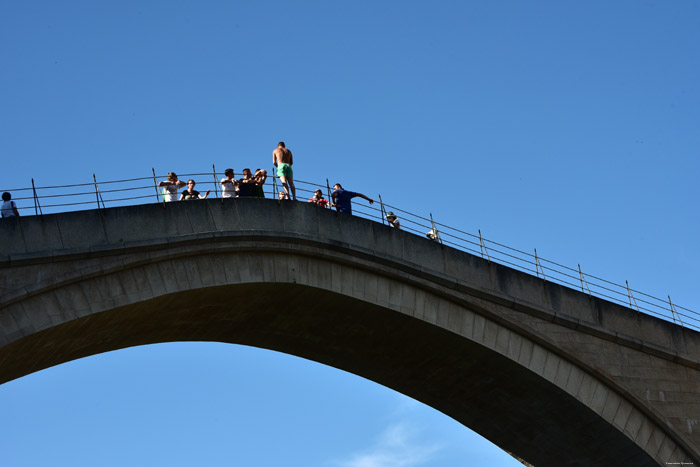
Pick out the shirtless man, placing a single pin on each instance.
(282, 159)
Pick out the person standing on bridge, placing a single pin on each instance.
(247, 185)
(9, 208)
(283, 160)
(170, 187)
(260, 177)
(342, 199)
(228, 184)
(190, 193)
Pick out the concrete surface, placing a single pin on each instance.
(547, 373)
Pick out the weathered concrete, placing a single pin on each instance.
(545, 372)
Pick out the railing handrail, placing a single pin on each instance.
(451, 236)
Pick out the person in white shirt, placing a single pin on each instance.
(170, 187)
(228, 184)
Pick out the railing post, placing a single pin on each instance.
(537, 263)
(98, 196)
(381, 208)
(580, 274)
(435, 230)
(629, 295)
(673, 310)
(482, 245)
(328, 190)
(159, 196)
(216, 184)
(37, 205)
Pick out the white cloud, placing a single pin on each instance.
(397, 446)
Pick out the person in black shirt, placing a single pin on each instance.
(190, 193)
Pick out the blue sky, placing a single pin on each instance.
(570, 127)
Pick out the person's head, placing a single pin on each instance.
(281, 144)
(337, 186)
(6, 196)
(318, 194)
(390, 216)
(190, 184)
(229, 173)
(172, 176)
(246, 173)
(282, 195)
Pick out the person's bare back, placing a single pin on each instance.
(282, 156)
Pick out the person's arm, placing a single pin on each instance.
(224, 181)
(371, 201)
(291, 158)
(182, 196)
(260, 177)
(177, 183)
(205, 195)
(14, 209)
(274, 157)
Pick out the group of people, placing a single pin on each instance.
(251, 185)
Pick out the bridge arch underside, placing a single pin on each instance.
(512, 390)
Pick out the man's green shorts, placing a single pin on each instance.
(284, 170)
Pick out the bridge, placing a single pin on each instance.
(552, 375)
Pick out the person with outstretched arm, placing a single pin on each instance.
(342, 199)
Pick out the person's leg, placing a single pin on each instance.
(283, 179)
(294, 190)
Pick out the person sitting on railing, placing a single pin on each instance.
(190, 193)
(259, 177)
(9, 208)
(318, 199)
(170, 187)
(342, 199)
(228, 184)
(393, 220)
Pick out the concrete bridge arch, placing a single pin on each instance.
(548, 374)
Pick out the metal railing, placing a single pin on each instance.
(112, 193)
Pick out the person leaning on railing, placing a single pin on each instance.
(170, 187)
(318, 199)
(342, 199)
(393, 220)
